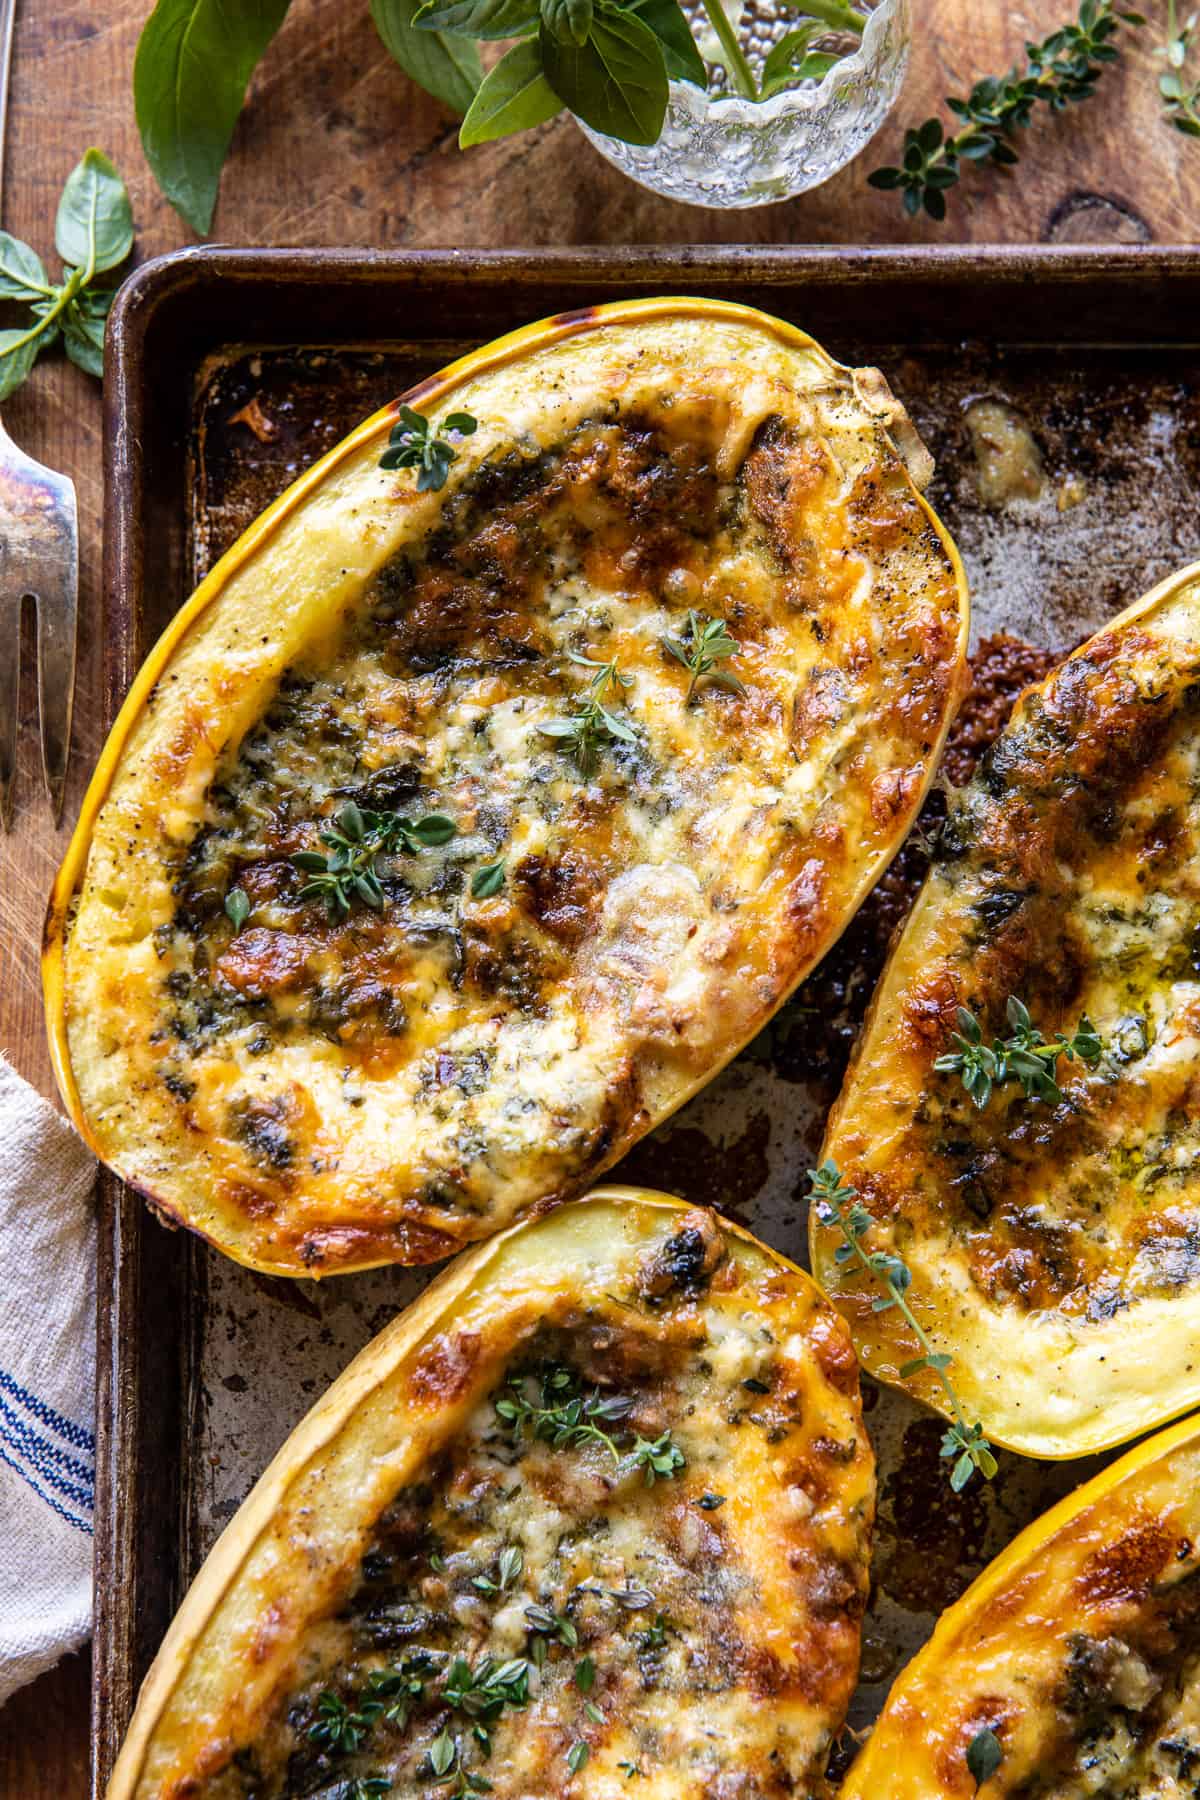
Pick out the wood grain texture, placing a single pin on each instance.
(337, 147)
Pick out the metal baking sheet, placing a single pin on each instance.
(1109, 390)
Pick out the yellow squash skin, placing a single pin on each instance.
(1055, 1248)
(317, 1094)
(1079, 1648)
(719, 1607)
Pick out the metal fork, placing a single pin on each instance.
(39, 558)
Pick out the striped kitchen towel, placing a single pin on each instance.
(47, 1384)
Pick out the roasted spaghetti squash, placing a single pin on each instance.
(594, 1512)
(1046, 1202)
(1071, 1668)
(476, 810)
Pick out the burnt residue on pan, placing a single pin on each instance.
(1116, 438)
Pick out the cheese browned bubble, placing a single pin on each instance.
(691, 1625)
(1054, 1245)
(317, 1094)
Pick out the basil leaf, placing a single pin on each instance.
(478, 18)
(83, 330)
(21, 270)
(680, 54)
(444, 64)
(514, 96)
(616, 82)
(570, 20)
(94, 227)
(16, 363)
(193, 65)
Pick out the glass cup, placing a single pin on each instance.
(718, 149)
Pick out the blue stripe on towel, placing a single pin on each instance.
(35, 1443)
(73, 1434)
(70, 1517)
(34, 1453)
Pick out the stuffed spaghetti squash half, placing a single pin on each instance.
(476, 810)
(1021, 1118)
(594, 1512)
(1071, 1667)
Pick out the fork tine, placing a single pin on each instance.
(10, 677)
(57, 607)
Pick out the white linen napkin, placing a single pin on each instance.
(47, 1384)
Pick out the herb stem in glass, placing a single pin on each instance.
(733, 56)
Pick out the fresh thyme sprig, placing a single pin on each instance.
(700, 646)
(414, 445)
(509, 1565)
(838, 1206)
(1059, 72)
(355, 839)
(565, 1418)
(545, 1627)
(1181, 95)
(339, 1727)
(1026, 1057)
(593, 724)
(488, 879)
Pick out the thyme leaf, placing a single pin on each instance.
(658, 1459)
(703, 643)
(985, 1753)
(414, 445)
(839, 1207)
(593, 724)
(237, 907)
(488, 879)
(1061, 71)
(355, 838)
(566, 1418)
(1027, 1057)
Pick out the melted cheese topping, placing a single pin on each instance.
(317, 1092)
(1079, 1650)
(696, 1632)
(1055, 1248)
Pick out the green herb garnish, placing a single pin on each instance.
(355, 839)
(545, 1624)
(700, 646)
(413, 445)
(368, 1787)
(93, 234)
(392, 1693)
(585, 1675)
(1181, 94)
(658, 1459)
(577, 1755)
(509, 1565)
(839, 1206)
(338, 1726)
(488, 880)
(593, 724)
(446, 1767)
(1059, 72)
(484, 1691)
(566, 1418)
(984, 1756)
(237, 907)
(1026, 1057)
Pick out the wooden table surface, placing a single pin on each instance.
(337, 147)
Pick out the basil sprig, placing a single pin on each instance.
(93, 234)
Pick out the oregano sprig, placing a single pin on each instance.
(1061, 71)
(93, 234)
(413, 444)
(1026, 1057)
(838, 1206)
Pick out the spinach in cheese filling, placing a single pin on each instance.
(465, 833)
(596, 1513)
